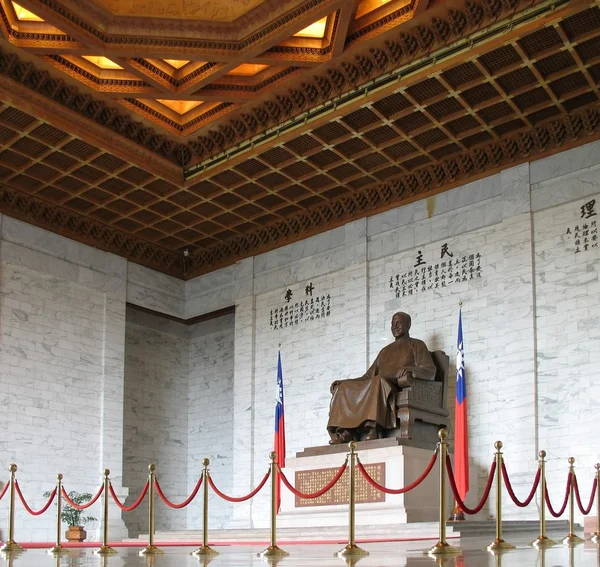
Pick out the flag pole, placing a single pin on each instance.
(460, 441)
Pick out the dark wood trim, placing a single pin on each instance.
(191, 321)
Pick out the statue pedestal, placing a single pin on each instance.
(391, 465)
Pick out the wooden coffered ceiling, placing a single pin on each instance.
(200, 133)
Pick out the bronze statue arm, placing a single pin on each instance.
(367, 376)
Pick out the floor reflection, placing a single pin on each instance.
(405, 554)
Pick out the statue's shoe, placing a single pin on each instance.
(342, 436)
(371, 435)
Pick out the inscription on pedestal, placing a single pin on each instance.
(316, 479)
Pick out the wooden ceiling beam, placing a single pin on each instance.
(347, 16)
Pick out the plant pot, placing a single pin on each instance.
(75, 533)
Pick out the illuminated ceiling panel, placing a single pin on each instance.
(177, 63)
(315, 30)
(367, 6)
(25, 15)
(247, 69)
(102, 62)
(180, 106)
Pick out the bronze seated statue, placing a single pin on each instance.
(402, 395)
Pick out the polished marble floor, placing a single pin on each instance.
(404, 554)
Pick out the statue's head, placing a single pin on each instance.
(400, 324)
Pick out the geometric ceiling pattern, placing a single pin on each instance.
(185, 64)
(417, 98)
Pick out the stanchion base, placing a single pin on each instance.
(205, 550)
(351, 550)
(10, 547)
(105, 550)
(499, 544)
(273, 551)
(57, 549)
(443, 548)
(151, 550)
(543, 541)
(595, 537)
(572, 539)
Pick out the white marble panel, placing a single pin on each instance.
(565, 189)
(152, 279)
(299, 250)
(564, 163)
(157, 301)
(155, 424)
(51, 244)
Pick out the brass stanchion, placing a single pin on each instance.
(11, 545)
(351, 549)
(273, 550)
(58, 547)
(105, 549)
(499, 543)
(572, 538)
(542, 540)
(442, 547)
(205, 549)
(151, 549)
(595, 538)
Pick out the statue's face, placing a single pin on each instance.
(400, 325)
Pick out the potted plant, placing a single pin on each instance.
(73, 517)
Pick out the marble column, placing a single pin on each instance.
(243, 391)
(356, 299)
(113, 381)
(515, 407)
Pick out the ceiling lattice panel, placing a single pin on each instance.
(513, 98)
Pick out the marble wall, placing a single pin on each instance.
(61, 368)
(531, 344)
(177, 411)
(210, 415)
(155, 426)
(508, 350)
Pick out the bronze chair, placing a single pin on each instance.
(421, 407)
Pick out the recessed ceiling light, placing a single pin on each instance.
(177, 63)
(102, 62)
(315, 30)
(247, 69)
(180, 106)
(25, 15)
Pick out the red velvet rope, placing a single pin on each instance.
(584, 511)
(82, 506)
(135, 504)
(564, 505)
(4, 490)
(509, 488)
(414, 484)
(185, 502)
(311, 495)
(33, 512)
(457, 497)
(241, 498)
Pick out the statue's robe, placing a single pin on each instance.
(372, 396)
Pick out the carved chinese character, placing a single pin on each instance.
(588, 209)
(445, 251)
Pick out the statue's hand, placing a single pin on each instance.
(404, 377)
(334, 385)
